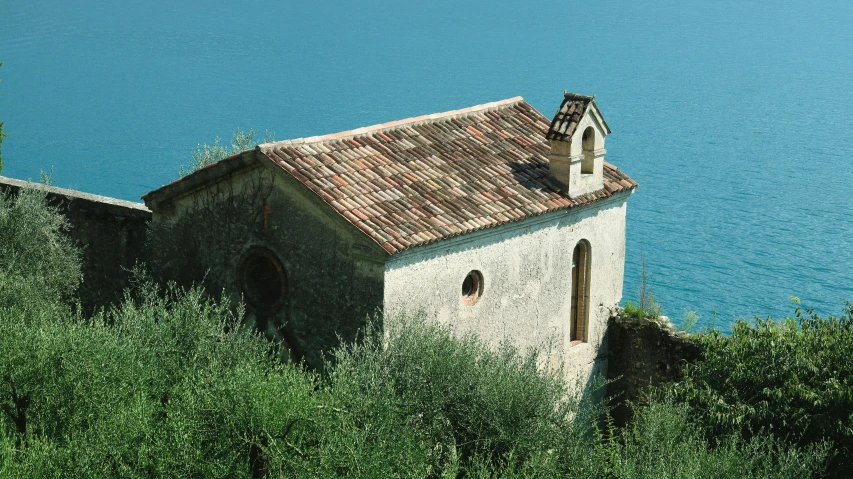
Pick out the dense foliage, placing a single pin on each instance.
(38, 260)
(169, 385)
(791, 378)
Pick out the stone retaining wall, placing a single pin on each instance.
(643, 352)
(111, 233)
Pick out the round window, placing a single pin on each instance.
(472, 287)
(261, 281)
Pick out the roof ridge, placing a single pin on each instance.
(577, 96)
(393, 125)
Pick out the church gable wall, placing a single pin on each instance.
(332, 274)
(526, 276)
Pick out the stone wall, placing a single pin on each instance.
(111, 233)
(643, 352)
(331, 274)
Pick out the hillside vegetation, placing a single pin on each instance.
(168, 384)
(792, 379)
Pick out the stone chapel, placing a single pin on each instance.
(492, 219)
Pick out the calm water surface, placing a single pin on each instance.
(736, 117)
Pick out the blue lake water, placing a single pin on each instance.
(736, 117)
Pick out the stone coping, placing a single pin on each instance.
(114, 205)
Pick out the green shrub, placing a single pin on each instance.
(663, 441)
(634, 310)
(469, 401)
(169, 385)
(205, 154)
(494, 413)
(37, 255)
(155, 388)
(789, 378)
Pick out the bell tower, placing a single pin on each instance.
(577, 134)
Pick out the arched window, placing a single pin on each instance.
(580, 292)
(588, 163)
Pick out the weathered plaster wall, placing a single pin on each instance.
(334, 273)
(644, 352)
(111, 233)
(526, 269)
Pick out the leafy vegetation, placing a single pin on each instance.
(37, 256)
(470, 404)
(664, 441)
(169, 384)
(792, 379)
(635, 310)
(688, 321)
(208, 154)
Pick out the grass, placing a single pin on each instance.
(645, 306)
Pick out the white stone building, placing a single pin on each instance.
(492, 219)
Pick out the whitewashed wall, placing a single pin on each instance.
(526, 268)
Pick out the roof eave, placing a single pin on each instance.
(525, 222)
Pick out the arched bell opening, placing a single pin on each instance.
(588, 143)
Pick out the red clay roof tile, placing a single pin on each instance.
(412, 182)
(568, 115)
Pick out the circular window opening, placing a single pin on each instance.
(472, 287)
(261, 281)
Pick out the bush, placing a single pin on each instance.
(170, 385)
(494, 413)
(37, 255)
(789, 378)
(205, 154)
(468, 401)
(663, 432)
(634, 310)
(155, 388)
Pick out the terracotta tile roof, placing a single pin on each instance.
(568, 116)
(412, 182)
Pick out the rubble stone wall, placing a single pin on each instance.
(643, 352)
